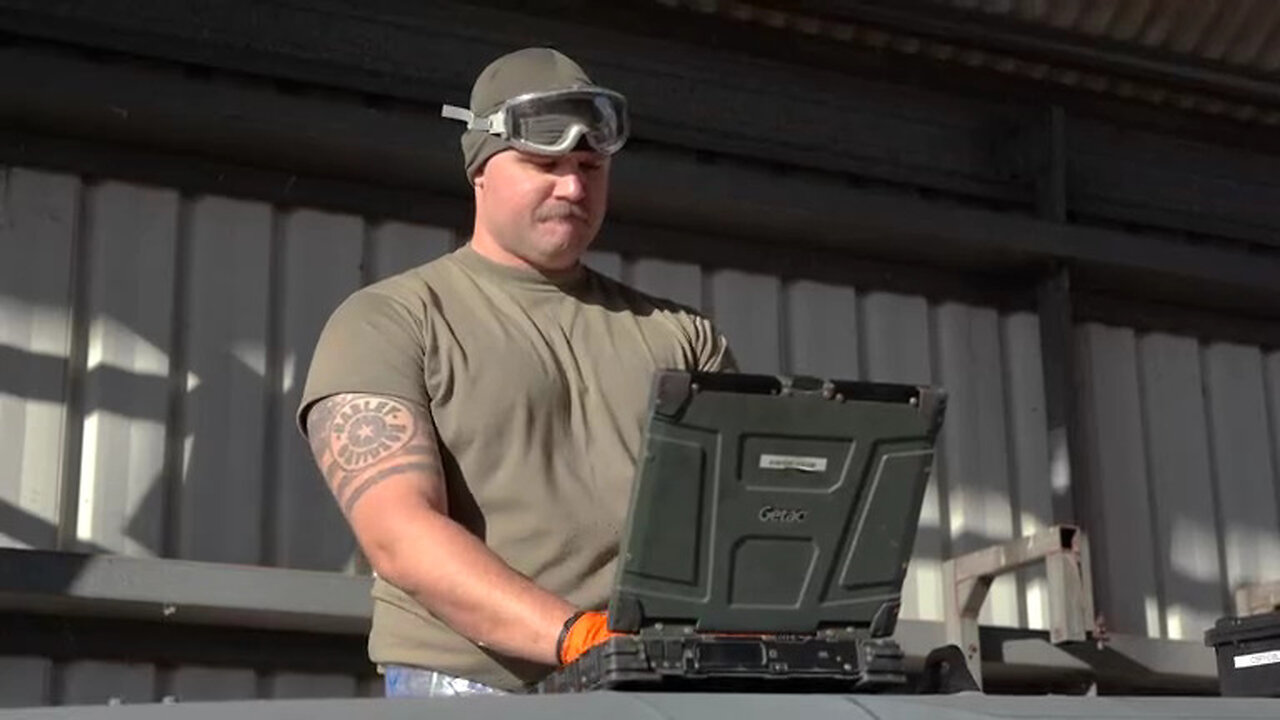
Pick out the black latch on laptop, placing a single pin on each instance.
(770, 527)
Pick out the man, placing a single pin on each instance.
(478, 418)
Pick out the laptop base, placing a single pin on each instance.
(682, 661)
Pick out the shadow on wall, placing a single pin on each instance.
(152, 351)
(28, 530)
(147, 483)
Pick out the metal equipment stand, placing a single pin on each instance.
(966, 579)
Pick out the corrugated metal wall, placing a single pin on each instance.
(1183, 443)
(153, 344)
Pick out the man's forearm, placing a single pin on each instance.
(380, 457)
(460, 580)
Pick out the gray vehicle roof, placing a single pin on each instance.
(656, 706)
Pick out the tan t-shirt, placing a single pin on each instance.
(538, 389)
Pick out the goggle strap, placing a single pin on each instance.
(454, 112)
(493, 124)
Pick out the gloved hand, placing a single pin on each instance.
(581, 632)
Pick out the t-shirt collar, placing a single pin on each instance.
(520, 276)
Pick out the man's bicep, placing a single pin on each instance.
(362, 442)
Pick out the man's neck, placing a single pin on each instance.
(486, 247)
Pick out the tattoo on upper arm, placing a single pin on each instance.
(318, 420)
(352, 435)
(366, 430)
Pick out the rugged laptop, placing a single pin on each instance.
(770, 526)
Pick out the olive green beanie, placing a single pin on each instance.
(523, 71)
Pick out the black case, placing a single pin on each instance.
(1248, 654)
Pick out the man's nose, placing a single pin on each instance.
(570, 185)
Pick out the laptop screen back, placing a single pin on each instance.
(774, 505)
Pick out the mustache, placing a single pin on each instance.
(561, 211)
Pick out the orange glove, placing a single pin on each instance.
(581, 632)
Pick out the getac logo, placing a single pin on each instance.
(771, 514)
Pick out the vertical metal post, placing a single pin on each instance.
(1051, 180)
(1057, 329)
(1057, 352)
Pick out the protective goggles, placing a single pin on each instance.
(552, 123)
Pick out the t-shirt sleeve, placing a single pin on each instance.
(714, 354)
(372, 343)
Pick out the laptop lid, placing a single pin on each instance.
(774, 505)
